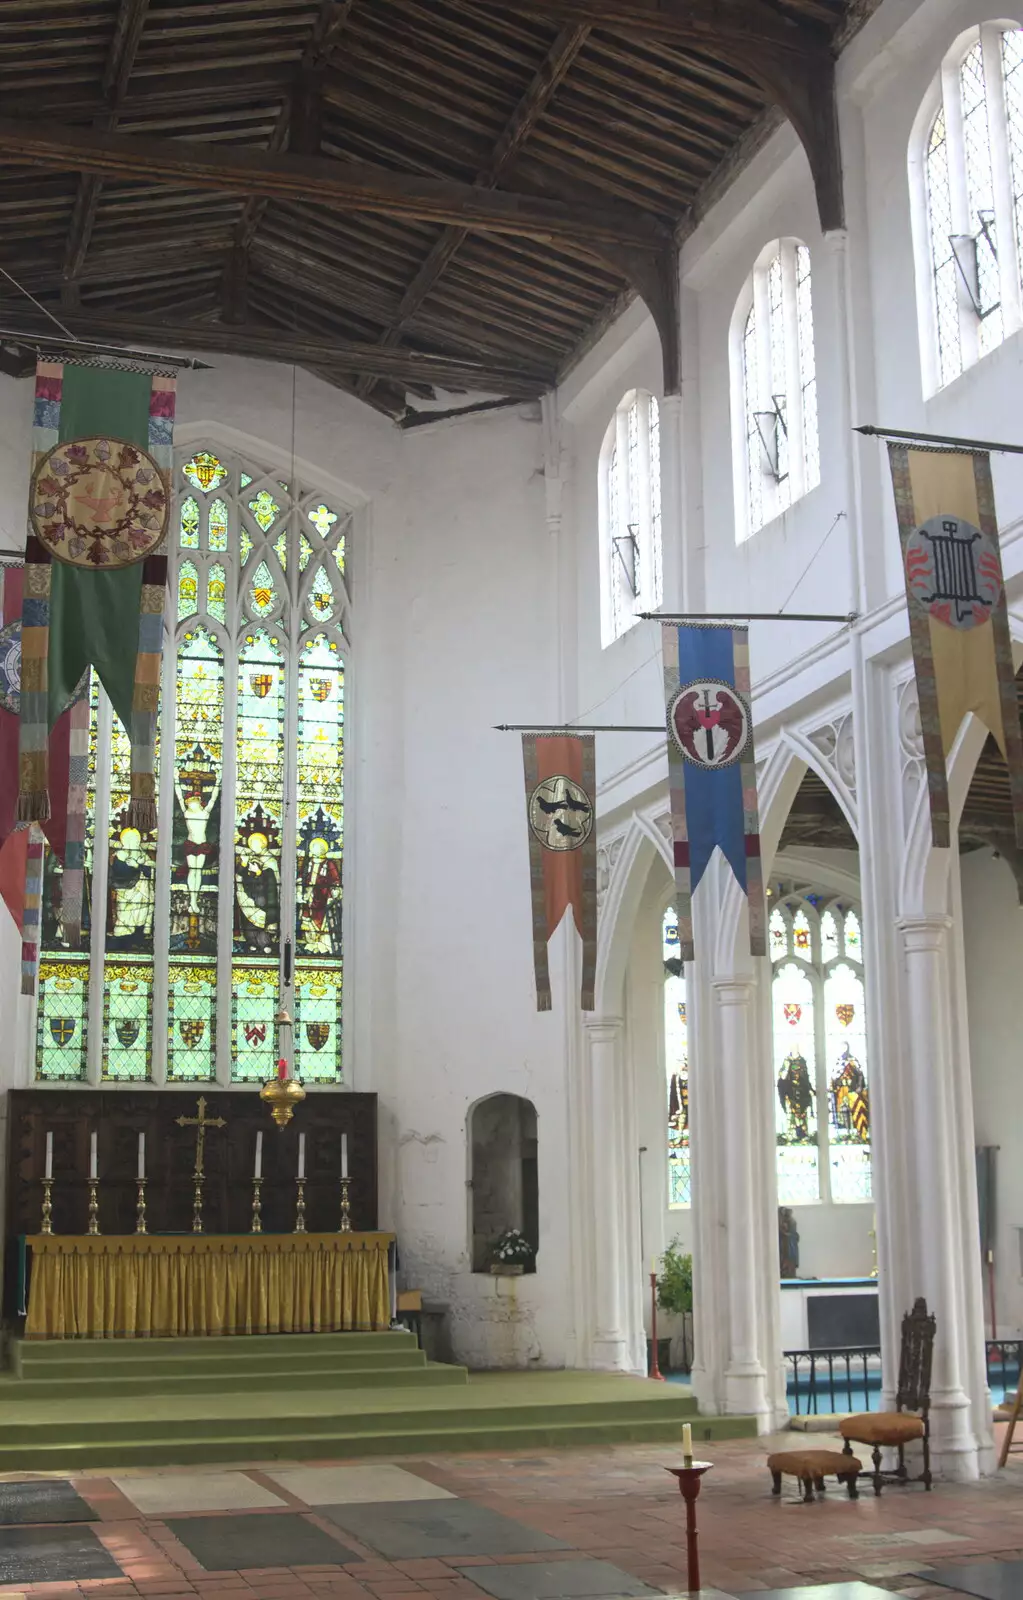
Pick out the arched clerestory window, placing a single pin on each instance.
(630, 506)
(195, 934)
(778, 450)
(822, 1100)
(968, 157)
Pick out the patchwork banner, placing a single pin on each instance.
(958, 620)
(711, 773)
(31, 916)
(67, 753)
(561, 792)
(95, 564)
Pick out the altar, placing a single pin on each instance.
(145, 1286)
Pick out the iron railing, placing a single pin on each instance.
(823, 1382)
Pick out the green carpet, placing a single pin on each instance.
(104, 1403)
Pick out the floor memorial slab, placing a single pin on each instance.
(164, 1493)
(241, 1544)
(828, 1591)
(411, 1530)
(362, 1485)
(989, 1580)
(44, 1500)
(53, 1555)
(558, 1580)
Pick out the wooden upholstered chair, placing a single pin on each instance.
(911, 1419)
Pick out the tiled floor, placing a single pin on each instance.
(592, 1524)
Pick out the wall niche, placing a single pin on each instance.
(503, 1190)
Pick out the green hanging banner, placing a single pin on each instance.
(95, 563)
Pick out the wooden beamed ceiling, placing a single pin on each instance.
(403, 195)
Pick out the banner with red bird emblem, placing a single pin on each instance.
(711, 772)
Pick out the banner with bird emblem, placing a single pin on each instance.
(561, 789)
(711, 772)
(958, 620)
(95, 564)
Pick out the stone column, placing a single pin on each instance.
(608, 1252)
(939, 1257)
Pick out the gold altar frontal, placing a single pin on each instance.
(156, 1286)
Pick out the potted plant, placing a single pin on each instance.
(511, 1254)
(675, 1296)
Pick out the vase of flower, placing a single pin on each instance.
(511, 1254)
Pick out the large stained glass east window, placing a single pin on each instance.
(822, 1103)
(676, 1061)
(232, 907)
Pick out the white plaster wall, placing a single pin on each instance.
(993, 937)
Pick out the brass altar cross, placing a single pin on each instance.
(200, 1122)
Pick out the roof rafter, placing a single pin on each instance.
(792, 61)
(523, 120)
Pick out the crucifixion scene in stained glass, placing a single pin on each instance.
(243, 872)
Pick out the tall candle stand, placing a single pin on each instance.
(140, 1208)
(93, 1206)
(257, 1220)
(689, 1485)
(300, 1205)
(655, 1370)
(346, 1210)
(46, 1226)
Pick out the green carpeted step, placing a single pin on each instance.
(216, 1363)
(250, 1379)
(233, 1346)
(462, 1437)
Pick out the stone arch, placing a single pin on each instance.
(501, 1139)
(642, 844)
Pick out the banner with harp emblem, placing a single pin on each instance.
(711, 773)
(561, 788)
(958, 619)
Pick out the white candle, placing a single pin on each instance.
(344, 1155)
(49, 1157)
(142, 1157)
(93, 1169)
(301, 1155)
(687, 1440)
(259, 1156)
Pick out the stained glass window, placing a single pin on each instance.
(248, 812)
(676, 1060)
(265, 509)
(190, 523)
(631, 514)
(205, 471)
(820, 1051)
(975, 237)
(218, 525)
(778, 931)
(776, 373)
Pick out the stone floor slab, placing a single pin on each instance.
(989, 1580)
(361, 1485)
(53, 1555)
(559, 1580)
(246, 1543)
(411, 1529)
(42, 1500)
(827, 1591)
(164, 1493)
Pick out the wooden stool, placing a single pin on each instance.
(811, 1467)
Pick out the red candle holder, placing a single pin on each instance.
(689, 1486)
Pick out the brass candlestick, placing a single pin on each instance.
(140, 1209)
(257, 1223)
(346, 1210)
(46, 1225)
(93, 1206)
(300, 1206)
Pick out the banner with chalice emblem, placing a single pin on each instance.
(958, 620)
(561, 786)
